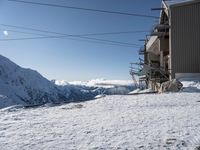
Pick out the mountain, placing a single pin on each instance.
(19, 86)
(26, 87)
(96, 88)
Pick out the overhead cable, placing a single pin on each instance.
(61, 35)
(85, 9)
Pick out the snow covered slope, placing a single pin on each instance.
(142, 122)
(19, 86)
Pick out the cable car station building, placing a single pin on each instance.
(173, 48)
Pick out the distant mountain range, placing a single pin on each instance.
(26, 87)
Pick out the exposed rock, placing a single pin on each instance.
(171, 86)
(170, 141)
(197, 148)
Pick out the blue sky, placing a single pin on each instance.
(75, 59)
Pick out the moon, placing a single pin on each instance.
(5, 33)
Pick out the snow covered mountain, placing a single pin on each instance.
(99, 86)
(96, 83)
(19, 86)
(26, 87)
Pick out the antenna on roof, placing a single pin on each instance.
(141, 40)
(157, 9)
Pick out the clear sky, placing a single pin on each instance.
(74, 58)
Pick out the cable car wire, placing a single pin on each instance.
(85, 9)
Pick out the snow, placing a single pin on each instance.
(155, 121)
(191, 84)
(139, 91)
(99, 96)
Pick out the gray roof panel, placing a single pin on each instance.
(175, 2)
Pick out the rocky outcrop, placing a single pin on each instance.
(171, 86)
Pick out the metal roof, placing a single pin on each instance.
(179, 2)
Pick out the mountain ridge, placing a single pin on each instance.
(27, 87)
